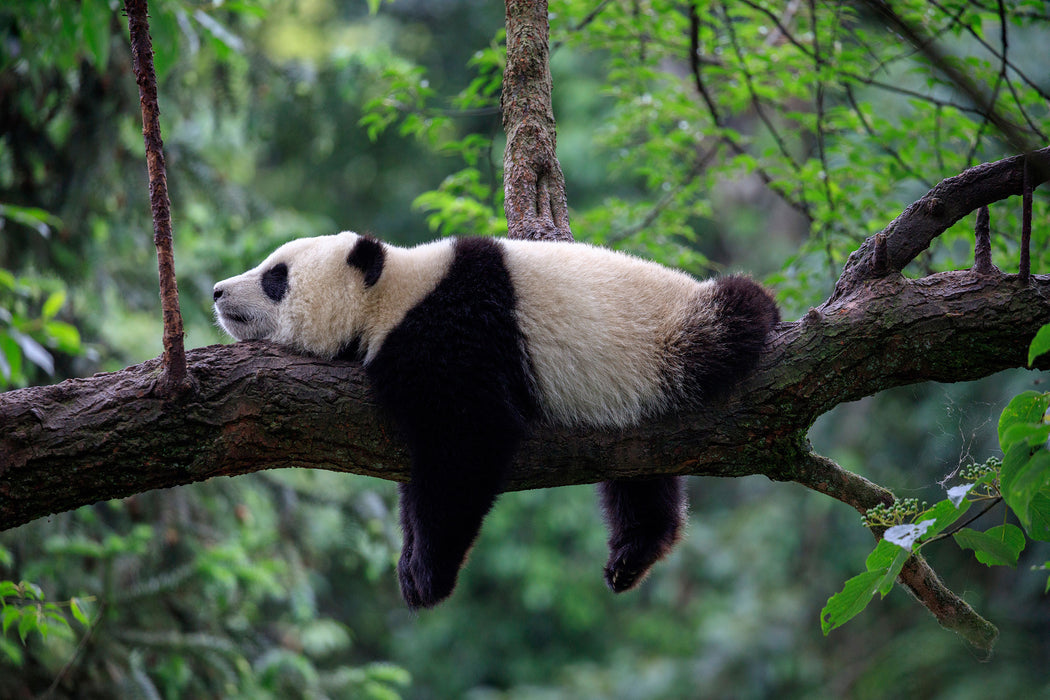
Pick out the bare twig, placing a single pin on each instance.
(145, 76)
(1026, 220)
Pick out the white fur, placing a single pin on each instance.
(597, 324)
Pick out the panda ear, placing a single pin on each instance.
(367, 255)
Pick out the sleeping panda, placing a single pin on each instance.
(469, 343)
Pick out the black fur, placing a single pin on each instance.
(645, 518)
(718, 358)
(275, 282)
(455, 379)
(368, 256)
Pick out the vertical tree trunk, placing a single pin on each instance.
(142, 62)
(533, 184)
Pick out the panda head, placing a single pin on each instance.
(313, 294)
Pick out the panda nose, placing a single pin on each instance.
(217, 293)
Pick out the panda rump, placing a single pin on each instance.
(469, 342)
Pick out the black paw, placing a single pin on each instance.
(421, 585)
(626, 568)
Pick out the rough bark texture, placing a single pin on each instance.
(142, 63)
(534, 188)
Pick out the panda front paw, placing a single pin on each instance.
(422, 586)
(625, 570)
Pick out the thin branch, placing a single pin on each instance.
(725, 135)
(1027, 188)
(1016, 137)
(694, 65)
(879, 142)
(952, 612)
(818, 69)
(991, 49)
(145, 76)
(756, 101)
(982, 253)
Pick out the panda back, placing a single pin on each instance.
(602, 330)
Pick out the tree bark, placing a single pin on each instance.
(175, 377)
(533, 184)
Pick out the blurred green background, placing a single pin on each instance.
(285, 118)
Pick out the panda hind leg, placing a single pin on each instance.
(645, 519)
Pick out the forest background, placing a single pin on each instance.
(283, 118)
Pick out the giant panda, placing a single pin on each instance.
(468, 343)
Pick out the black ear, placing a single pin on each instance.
(367, 255)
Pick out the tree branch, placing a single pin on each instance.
(952, 199)
(261, 407)
(534, 187)
(175, 376)
(952, 612)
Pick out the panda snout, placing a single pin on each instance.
(216, 293)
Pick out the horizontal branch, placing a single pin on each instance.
(952, 199)
(259, 407)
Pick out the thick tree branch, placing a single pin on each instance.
(260, 407)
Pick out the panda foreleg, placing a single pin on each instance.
(645, 518)
(442, 509)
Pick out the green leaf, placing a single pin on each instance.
(943, 513)
(31, 591)
(53, 304)
(1032, 434)
(96, 16)
(40, 220)
(1026, 407)
(888, 558)
(64, 336)
(30, 621)
(12, 651)
(34, 351)
(1023, 476)
(1040, 344)
(78, 612)
(850, 601)
(999, 546)
(1039, 513)
(8, 615)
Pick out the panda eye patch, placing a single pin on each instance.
(275, 282)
